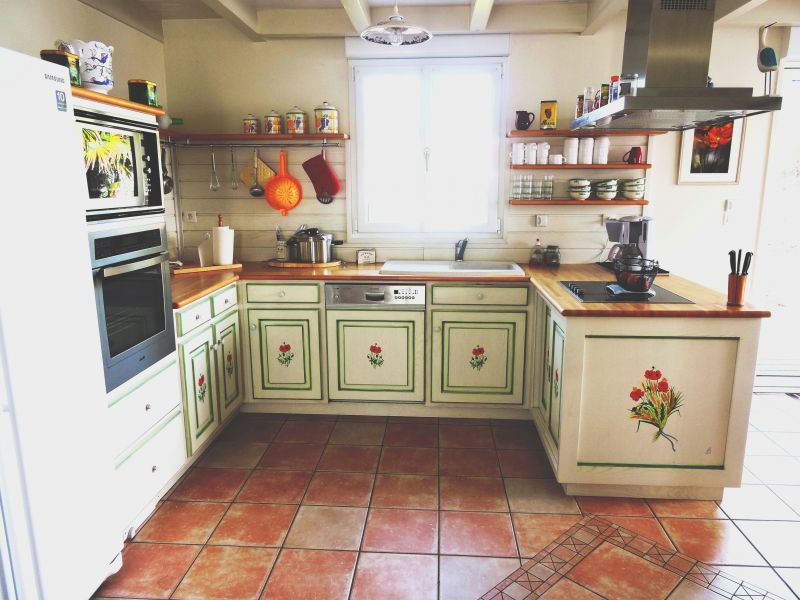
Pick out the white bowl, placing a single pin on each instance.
(633, 195)
(606, 195)
(578, 195)
(579, 182)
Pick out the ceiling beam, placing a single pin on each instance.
(725, 10)
(358, 13)
(238, 13)
(479, 12)
(601, 12)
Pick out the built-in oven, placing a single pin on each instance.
(132, 291)
(122, 162)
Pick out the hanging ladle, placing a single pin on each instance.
(234, 171)
(214, 185)
(256, 190)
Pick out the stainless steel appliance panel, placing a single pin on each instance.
(380, 295)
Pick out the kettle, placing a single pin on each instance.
(94, 59)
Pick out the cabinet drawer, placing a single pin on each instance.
(134, 414)
(283, 292)
(479, 294)
(148, 465)
(193, 317)
(224, 300)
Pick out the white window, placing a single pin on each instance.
(426, 147)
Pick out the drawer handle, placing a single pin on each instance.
(154, 469)
(281, 294)
(147, 407)
(227, 300)
(252, 326)
(197, 317)
(481, 296)
(437, 329)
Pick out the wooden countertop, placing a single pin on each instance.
(708, 303)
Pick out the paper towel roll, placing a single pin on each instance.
(222, 238)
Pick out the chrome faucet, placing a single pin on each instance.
(461, 246)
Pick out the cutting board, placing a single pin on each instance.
(265, 173)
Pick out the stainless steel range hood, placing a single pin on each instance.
(668, 43)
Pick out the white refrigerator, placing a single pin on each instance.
(58, 539)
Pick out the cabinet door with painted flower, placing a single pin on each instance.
(478, 356)
(285, 353)
(199, 389)
(229, 371)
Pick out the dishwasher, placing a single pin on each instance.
(376, 342)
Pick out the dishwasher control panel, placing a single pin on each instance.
(385, 295)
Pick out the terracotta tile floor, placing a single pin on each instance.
(307, 507)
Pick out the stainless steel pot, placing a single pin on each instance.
(311, 246)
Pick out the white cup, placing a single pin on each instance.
(600, 154)
(556, 159)
(585, 149)
(530, 153)
(518, 153)
(571, 150)
(542, 153)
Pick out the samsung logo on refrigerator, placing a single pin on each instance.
(54, 78)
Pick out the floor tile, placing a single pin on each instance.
(634, 578)
(306, 574)
(468, 462)
(539, 496)
(327, 528)
(395, 577)
(251, 429)
(781, 470)
(412, 461)
(792, 578)
(789, 441)
(254, 525)
(149, 571)
(648, 527)
(689, 590)
(405, 491)
(469, 421)
(309, 432)
(466, 577)
(211, 485)
(776, 540)
(790, 494)
(524, 463)
(472, 493)
(764, 577)
(516, 437)
(353, 433)
(301, 457)
(689, 509)
(569, 590)
(392, 530)
(226, 573)
(286, 487)
(350, 458)
(535, 532)
(416, 420)
(755, 502)
(775, 412)
(411, 434)
(476, 534)
(339, 489)
(233, 455)
(625, 507)
(761, 444)
(712, 541)
(465, 436)
(182, 522)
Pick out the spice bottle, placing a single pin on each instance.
(605, 93)
(537, 254)
(579, 107)
(614, 88)
(588, 100)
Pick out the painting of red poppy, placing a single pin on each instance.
(710, 154)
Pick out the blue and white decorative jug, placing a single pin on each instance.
(95, 63)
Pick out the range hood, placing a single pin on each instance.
(668, 43)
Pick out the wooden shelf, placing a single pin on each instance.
(249, 137)
(613, 166)
(79, 92)
(571, 202)
(525, 133)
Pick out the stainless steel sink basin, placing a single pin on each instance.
(488, 268)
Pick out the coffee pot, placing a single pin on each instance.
(632, 234)
(524, 119)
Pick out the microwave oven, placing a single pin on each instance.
(121, 158)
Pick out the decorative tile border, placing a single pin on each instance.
(536, 576)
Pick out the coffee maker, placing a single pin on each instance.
(632, 235)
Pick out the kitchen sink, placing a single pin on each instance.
(489, 268)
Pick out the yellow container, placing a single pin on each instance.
(548, 114)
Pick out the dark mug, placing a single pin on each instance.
(524, 119)
(633, 156)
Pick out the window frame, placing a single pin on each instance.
(415, 236)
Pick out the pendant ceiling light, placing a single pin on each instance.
(396, 32)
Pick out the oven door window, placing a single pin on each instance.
(134, 308)
(109, 157)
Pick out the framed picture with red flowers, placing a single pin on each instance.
(711, 154)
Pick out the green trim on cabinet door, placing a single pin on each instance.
(206, 351)
(410, 327)
(220, 335)
(652, 466)
(263, 332)
(559, 341)
(508, 327)
(153, 432)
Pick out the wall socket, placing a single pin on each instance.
(190, 216)
(541, 220)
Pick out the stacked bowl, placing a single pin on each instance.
(633, 189)
(606, 189)
(580, 189)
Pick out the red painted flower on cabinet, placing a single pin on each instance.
(229, 363)
(285, 354)
(375, 357)
(656, 400)
(478, 358)
(202, 388)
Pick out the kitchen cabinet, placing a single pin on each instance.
(228, 361)
(198, 370)
(376, 355)
(478, 356)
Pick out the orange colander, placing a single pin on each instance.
(283, 192)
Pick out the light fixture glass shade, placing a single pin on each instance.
(396, 32)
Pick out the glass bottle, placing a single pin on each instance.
(614, 88)
(537, 254)
(588, 100)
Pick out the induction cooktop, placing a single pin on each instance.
(595, 292)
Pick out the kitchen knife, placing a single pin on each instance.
(739, 262)
(746, 267)
(732, 258)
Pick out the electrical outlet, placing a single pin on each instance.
(541, 220)
(190, 216)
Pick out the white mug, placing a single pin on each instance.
(585, 149)
(530, 153)
(542, 153)
(518, 153)
(557, 159)
(571, 151)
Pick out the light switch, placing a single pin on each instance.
(190, 216)
(541, 220)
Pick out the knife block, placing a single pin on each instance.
(736, 285)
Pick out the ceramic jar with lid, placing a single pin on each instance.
(296, 121)
(250, 125)
(326, 118)
(272, 123)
